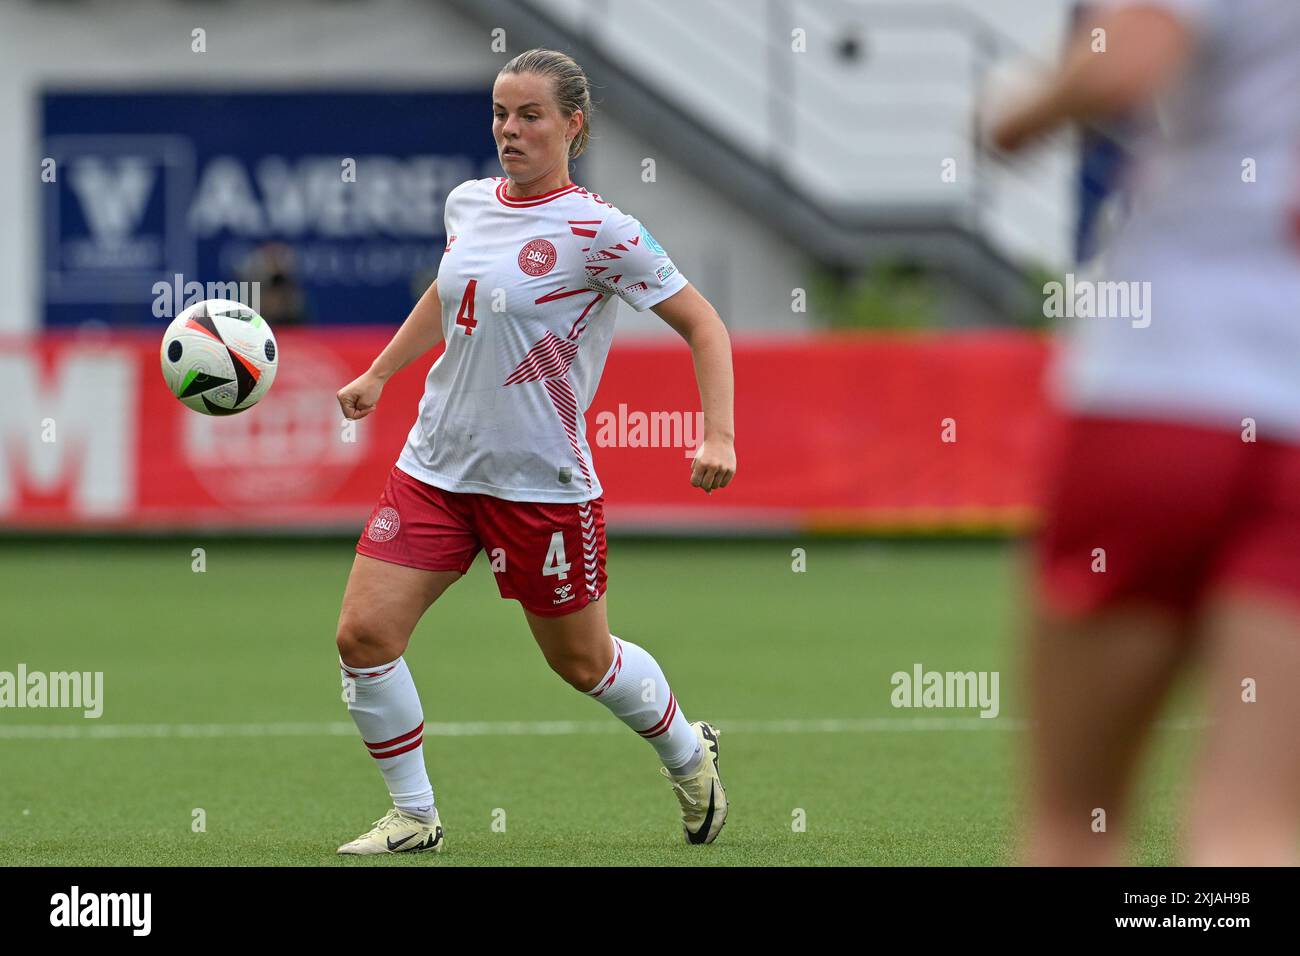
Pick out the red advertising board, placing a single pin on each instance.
(853, 432)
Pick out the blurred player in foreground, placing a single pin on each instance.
(1180, 465)
(498, 459)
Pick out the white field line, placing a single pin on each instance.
(89, 730)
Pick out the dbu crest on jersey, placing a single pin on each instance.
(384, 525)
(537, 258)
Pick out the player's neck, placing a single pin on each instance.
(537, 187)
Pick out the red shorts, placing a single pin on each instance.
(548, 557)
(1178, 510)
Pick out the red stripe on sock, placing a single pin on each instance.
(665, 722)
(375, 674)
(618, 665)
(396, 740)
(400, 750)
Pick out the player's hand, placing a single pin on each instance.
(1011, 133)
(359, 397)
(1006, 117)
(714, 464)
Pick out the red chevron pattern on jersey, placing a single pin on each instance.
(594, 197)
(548, 362)
(584, 228)
(580, 323)
(549, 358)
(566, 404)
(599, 276)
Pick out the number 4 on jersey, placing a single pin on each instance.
(555, 563)
(465, 316)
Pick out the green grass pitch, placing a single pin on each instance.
(745, 640)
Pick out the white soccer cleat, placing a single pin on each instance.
(703, 799)
(398, 832)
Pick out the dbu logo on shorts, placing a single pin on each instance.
(384, 525)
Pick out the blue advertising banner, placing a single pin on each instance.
(331, 202)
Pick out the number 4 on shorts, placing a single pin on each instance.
(555, 563)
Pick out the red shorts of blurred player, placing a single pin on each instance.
(1171, 511)
(548, 557)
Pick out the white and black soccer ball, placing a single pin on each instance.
(219, 357)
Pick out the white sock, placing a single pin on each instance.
(387, 712)
(635, 689)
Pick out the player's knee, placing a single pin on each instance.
(580, 673)
(363, 645)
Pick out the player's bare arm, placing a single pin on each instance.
(1146, 50)
(692, 317)
(421, 331)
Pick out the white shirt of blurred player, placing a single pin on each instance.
(1221, 253)
(502, 412)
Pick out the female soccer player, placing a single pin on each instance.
(498, 458)
(1174, 519)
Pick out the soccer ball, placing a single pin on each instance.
(219, 357)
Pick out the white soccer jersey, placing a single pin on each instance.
(1215, 229)
(527, 288)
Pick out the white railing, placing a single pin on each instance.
(863, 117)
